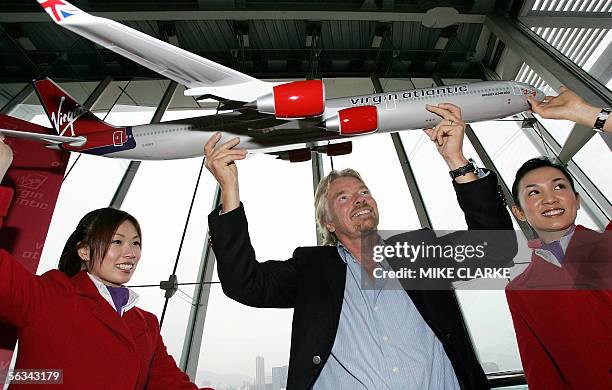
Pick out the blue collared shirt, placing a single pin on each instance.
(383, 342)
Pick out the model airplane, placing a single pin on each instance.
(289, 119)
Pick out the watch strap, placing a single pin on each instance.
(461, 171)
(601, 119)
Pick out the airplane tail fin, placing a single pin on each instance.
(67, 116)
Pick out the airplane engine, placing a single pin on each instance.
(299, 99)
(353, 121)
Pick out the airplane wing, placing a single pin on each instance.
(168, 60)
(46, 138)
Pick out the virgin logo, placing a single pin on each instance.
(66, 119)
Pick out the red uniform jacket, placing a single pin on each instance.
(564, 329)
(65, 324)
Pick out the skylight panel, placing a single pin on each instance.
(565, 45)
(562, 37)
(600, 5)
(591, 43)
(555, 36)
(576, 44)
(583, 5)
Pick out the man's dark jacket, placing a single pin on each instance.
(312, 283)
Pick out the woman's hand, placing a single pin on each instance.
(568, 106)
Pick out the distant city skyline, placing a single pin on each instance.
(260, 373)
(279, 377)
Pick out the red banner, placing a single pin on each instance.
(36, 176)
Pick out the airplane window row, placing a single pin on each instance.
(166, 131)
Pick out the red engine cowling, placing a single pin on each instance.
(298, 99)
(353, 121)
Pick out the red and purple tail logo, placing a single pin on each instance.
(58, 9)
(67, 117)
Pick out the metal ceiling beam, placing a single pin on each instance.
(567, 19)
(526, 7)
(406, 63)
(19, 49)
(97, 93)
(602, 68)
(19, 98)
(481, 45)
(220, 4)
(509, 65)
(556, 70)
(38, 17)
(316, 160)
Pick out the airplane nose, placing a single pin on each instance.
(531, 91)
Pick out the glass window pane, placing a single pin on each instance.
(595, 159)
(278, 200)
(431, 173)
(488, 319)
(159, 198)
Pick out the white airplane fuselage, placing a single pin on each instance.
(400, 110)
(288, 116)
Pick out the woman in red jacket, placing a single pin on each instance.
(561, 304)
(80, 319)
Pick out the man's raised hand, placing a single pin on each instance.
(448, 134)
(220, 162)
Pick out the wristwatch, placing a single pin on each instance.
(601, 119)
(469, 167)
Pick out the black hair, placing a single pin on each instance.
(535, 163)
(95, 231)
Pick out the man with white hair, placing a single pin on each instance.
(345, 336)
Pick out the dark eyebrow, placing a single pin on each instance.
(122, 235)
(553, 180)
